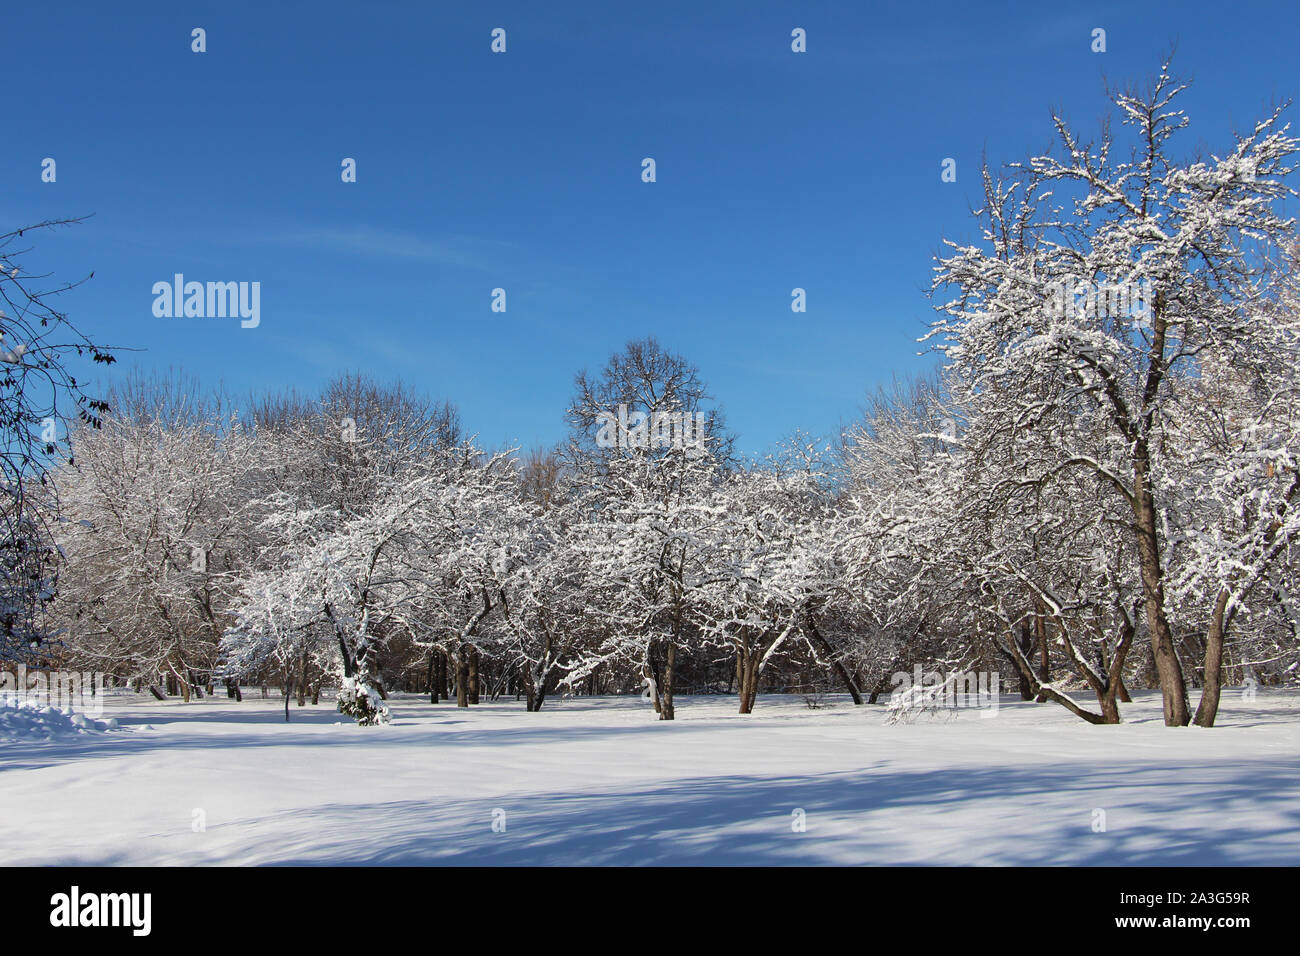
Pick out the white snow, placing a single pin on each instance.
(599, 781)
(26, 720)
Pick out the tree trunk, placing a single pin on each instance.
(667, 712)
(744, 669)
(473, 675)
(751, 681)
(462, 676)
(534, 692)
(652, 677)
(1208, 709)
(1109, 709)
(1044, 653)
(740, 674)
(1023, 683)
(836, 663)
(1172, 684)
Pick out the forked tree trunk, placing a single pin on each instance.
(534, 693)
(1208, 709)
(1172, 684)
(535, 683)
(748, 664)
(1105, 684)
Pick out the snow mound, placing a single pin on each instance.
(25, 720)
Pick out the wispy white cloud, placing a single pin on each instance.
(465, 252)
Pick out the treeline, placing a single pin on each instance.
(360, 540)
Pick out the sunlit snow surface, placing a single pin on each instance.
(26, 720)
(599, 781)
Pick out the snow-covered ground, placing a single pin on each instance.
(20, 719)
(599, 781)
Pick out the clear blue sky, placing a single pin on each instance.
(522, 171)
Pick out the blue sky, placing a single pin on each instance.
(522, 170)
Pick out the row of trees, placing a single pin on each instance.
(1094, 492)
(362, 535)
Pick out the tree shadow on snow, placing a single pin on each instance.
(1170, 816)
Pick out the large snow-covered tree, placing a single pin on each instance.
(155, 534)
(1108, 274)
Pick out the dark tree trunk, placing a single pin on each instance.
(1024, 684)
(1208, 709)
(836, 663)
(667, 713)
(1172, 684)
(473, 675)
(462, 676)
(1044, 652)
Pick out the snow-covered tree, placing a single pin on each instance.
(154, 535)
(1104, 280)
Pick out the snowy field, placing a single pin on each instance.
(599, 781)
